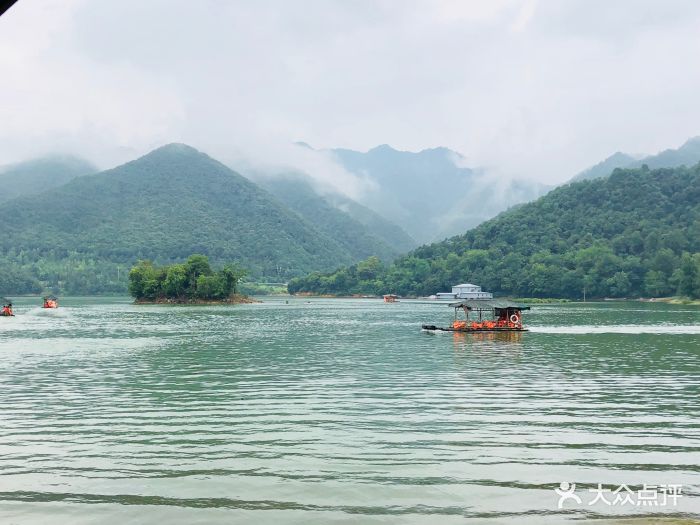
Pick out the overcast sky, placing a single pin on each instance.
(533, 89)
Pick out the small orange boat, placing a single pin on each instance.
(6, 310)
(50, 301)
(485, 315)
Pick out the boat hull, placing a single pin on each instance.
(469, 329)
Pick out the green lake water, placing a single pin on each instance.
(342, 411)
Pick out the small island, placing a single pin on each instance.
(191, 282)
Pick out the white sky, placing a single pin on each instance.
(533, 89)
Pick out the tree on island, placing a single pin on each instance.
(192, 280)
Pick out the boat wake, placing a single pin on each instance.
(617, 329)
(47, 312)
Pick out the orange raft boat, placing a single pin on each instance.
(6, 310)
(50, 301)
(485, 315)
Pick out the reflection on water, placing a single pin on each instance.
(341, 410)
(480, 337)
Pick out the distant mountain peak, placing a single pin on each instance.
(381, 148)
(605, 167)
(441, 150)
(692, 142)
(618, 155)
(688, 154)
(177, 148)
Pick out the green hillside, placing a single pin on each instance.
(361, 231)
(635, 233)
(38, 175)
(383, 228)
(164, 206)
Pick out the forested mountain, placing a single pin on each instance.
(686, 155)
(383, 228)
(431, 194)
(38, 175)
(606, 167)
(164, 206)
(635, 233)
(360, 230)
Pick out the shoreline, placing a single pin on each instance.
(237, 299)
(671, 300)
(527, 300)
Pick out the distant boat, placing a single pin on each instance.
(50, 301)
(485, 315)
(6, 308)
(391, 298)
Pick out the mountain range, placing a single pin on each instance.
(80, 233)
(164, 206)
(432, 193)
(634, 233)
(41, 174)
(687, 154)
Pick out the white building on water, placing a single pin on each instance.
(464, 291)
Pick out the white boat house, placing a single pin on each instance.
(464, 291)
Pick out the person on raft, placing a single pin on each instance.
(7, 310)
(50, 302)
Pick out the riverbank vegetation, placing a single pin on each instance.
(633, 234)
(192, 281)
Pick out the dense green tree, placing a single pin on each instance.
(176, 280)
(655, 283)
(19, 281)
(232, 274)
(619, 284)
(210, 287)
(182, 282)
(139, 276)
(369, 269)
(689, 276)
(197, 265)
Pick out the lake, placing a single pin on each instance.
(344, 411)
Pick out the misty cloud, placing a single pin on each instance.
(526, 89)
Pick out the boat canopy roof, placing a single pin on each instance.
(489, 304)
(50, 298)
